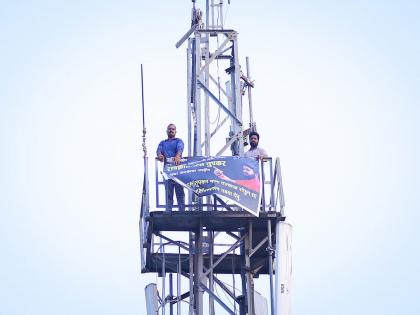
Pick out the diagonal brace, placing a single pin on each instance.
(232, 140)
(218, 300)
(214, 98)
(234, 246)
(186, 35)
(176, 299)
(224, 204)
(226, 289)
(172, 241)
(219, 87)
(216, 53)
(253, 250)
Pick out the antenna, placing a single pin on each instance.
(143, 115)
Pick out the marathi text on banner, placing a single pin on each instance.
(235, 179)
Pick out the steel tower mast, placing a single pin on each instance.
(215, 243)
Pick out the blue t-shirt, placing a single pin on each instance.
(170, 147)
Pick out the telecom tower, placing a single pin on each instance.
(208, 256)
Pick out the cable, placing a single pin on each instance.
(227, 297)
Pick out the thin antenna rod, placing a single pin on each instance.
(142, 95)
(144, 123)
(145, 158)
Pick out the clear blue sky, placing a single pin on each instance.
(337, 98)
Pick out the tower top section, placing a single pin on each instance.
(213, 14)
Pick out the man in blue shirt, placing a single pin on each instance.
(170, 151)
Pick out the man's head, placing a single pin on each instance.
(171, 131)
(254, 138)
(249, 171)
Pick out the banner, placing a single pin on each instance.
(234, 179)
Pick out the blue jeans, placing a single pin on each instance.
(170, 186)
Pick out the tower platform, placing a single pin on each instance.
(238, 222)
(230, 221)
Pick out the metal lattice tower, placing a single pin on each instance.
(214, 246)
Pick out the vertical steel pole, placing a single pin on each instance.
(242, 308)
(189, 95)
(270, 267)
(190, 64)
(211, 280)
(249, 278)
(207, 99)
(162, 250)
(207, 137)
(233, 280)
(236, 92)
(190, 103)
(221, 13)
(200, 269)
(212, 13)
(178, 284)
(171, 294)
(191, 255)
(197, 100)
(194, 92)
(248, 75)
(262, 185)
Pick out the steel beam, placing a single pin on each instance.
(249, 276)
(270, 251)
(216, 53)
(219, 87)
(218, 300)
(235, 245)
(186, 35)
(172, 241)
(228, 144)
(216, 100)
(226, 289)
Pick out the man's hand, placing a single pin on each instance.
(161, 157)
(218, 172)
(177, 159)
